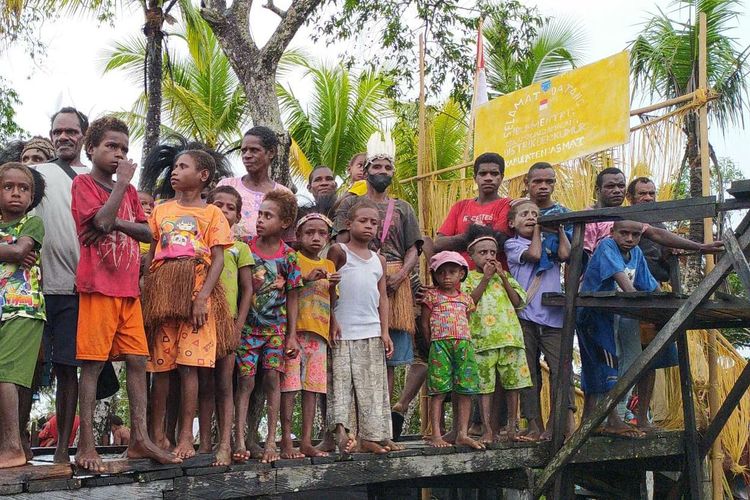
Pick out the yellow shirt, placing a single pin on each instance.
(314, 309)
(359, 188)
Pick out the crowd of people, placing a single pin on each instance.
(220, 294)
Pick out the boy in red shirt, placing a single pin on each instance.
(110, 222)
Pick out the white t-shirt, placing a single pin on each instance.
(60, 251)
(357, 310)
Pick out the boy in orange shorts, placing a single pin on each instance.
(110, 222)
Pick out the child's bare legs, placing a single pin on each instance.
(140, 445)
(24, 409)
(188, 407)
(257, 403)
(66, 397)
(245, 385)
(511, 399)
(273, 397)
(462, 422)
(485, 406)
(87, 457)
(224, 408)
(449, 436)
(206, 405)
(309, 400)
(328, 443)
(344, 441)
(159, 394)
(173, 410)
(436, 411)
(287, 408)
(11, 451)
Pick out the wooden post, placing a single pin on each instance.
(717, 472)
(472, 113)
(563, 482)
(691, 439)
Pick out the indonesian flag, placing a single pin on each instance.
(480, 85)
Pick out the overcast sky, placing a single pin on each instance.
(71, 71)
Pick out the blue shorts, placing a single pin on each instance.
(596, 341)
(403, 348)
(667, 358)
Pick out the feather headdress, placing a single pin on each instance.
(381, 146)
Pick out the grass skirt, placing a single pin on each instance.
(401, 304)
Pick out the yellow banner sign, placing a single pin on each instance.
(568, 116)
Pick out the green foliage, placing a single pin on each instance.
(344, 110)
(8, 102)
(523, 47)
(201, 96)
(664, 57)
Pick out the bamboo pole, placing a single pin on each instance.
(717, 471)
(663, 104)
(426, 493)
(472, 114)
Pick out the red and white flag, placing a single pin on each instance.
(480, 86)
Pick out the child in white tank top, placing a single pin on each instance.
(362, 344)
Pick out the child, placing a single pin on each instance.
(617, 264)
(541, 324)
(270, 332)
(22, 312)
(308, 372)
(451, 364)
(120, 433)
(186, 310)
(110, 222)
(237, 280)
(496, 334)
(358, 359)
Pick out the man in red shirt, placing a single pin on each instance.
(487, 209)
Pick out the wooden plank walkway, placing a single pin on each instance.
(417, 466)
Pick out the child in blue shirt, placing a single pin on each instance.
(617, 264)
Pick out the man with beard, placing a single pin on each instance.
(59, 261)
(398, 239)
(322, 185)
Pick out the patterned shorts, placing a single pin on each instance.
(269, 349)
(509, 363)
(451, 367)
(308, 371)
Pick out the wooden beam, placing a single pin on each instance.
(661, 211)
(693, 458)
(665, 336)
(663, 104)
(565, 367)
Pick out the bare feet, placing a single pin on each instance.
(164, 444)
(204, 448)
(467, 441)
(240, 455)
(437, 442)
(255, 451)
(450, 437)
(647, 427)
(270, 454)
(371, 447)
(487, 438)
(89, 460)
(62, 456)
(309, 450)
(223, 456)
(390, 445)
(547, 435)
(12, 458)
(475, 430)
(344, 442)
(147, 449)
(184, 449)
(288, 451)
(328, 444)
(624, 431)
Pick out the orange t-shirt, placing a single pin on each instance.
(187, 232)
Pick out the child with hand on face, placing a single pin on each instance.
(270, 333)
(110, 223)
(541, 324)
(237, 281)
(617, 264)
(496, 334)
(315, 322)
(185, 307)
(358, 358)
(22, 313)
(451, 366)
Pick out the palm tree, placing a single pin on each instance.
(557, 47)
(664, 64)
(201, 96)
(344, 110)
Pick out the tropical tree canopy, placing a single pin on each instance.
(202, 97)
(664, 57)
(545, 48)
(344, 110)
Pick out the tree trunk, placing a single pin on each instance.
(154, 37)
(693, 274)
(260, 89)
